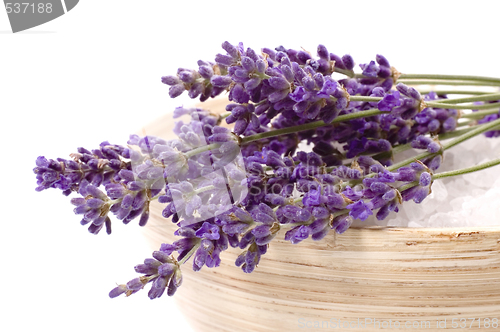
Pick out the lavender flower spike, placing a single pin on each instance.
(161, 271)
(246, 182)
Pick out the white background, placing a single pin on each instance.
(94, 75)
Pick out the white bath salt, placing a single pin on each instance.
(443, 219)
(439, 192)
(460, 201)
(413, 211)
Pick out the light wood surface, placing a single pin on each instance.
(405, 275)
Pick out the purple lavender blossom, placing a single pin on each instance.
(359, 210)
(489, 118)
(97, 167)
(389, 101)
(220, 190)
(161, 271)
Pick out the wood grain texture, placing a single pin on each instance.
(405, 275)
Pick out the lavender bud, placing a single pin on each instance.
(177, 278)
(82, 209)
(420, 194)
(413, 93)
(279, 83)
(403, 88)
(261, 66)
(433, 147)
(425, 179)
(323, 53)
(389, 195)
(252, 83)
(115, 190)
(95, 192)
(144, 217)
(263, 241)
(162, 256)
(172, 288)
(166, 269)
(155, 292)
(348, 62)
(342, 223)
(278, 95)
(383, 212)
(261, 231)
(136, 284)
(186, 76)
(221, 81)
(370, 69)
(381, 60)
(117, 291)
(145, 269)
(160, 284)
(92, 215)
(136, 185)
(240, 259)
(384, 72)
(240, 126)
(433, 125)
(195, 90)
(139, 200)
(248, 64)
(231, 50)
(224, 60)
(421, 142)
(206, 72)
(170, 80)
(449, 124)
(303, 56)
(435, 162)
(77, 201)
(176, 90)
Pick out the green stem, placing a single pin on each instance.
(403, 147)
(346, 72)
(367, 113)
(465, 123)
(450, 77)
(448, 105)
(364, 98)
(225, 115)
(408, 186)
(203, 189)
(295, 200)
(484, 97)
(453, 92)
(466, 170)
(474, 132)
(201, 149)
(480, 114)
(455, 133)
(339, 213)
(309, 126)
(456, 172)
(190, 253)
(446, 82)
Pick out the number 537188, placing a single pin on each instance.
(25, 7)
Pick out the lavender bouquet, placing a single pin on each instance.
(311, 148)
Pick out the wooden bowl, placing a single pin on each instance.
(430, 279)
